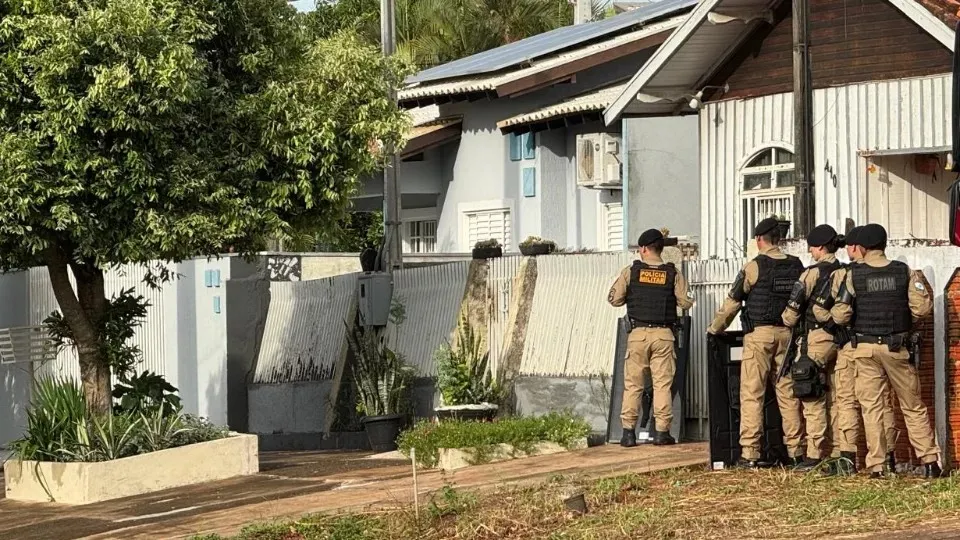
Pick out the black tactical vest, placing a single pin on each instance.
(881, 303)
(650, 296)
(769, 296)
(826, 270)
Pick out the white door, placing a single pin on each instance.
(909, 204)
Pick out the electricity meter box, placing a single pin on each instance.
(374, 294)
(723, 386)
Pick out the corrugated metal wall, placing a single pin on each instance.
(500, 282)
(709, 281)
(431, 297)
(149, 337)
(897, 115)
(304, 337)
(572, 328)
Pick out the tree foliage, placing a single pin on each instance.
(431, 32)
(133, 130)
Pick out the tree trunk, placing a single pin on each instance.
(83, 311)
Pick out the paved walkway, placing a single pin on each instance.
(292, 484)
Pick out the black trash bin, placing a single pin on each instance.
(723, 376)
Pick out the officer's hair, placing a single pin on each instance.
(834, 245)
(772, 237)
(656, 246)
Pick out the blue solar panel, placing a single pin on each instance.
(549, 42)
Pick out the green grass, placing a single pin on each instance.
(680, 503)
(522, 433)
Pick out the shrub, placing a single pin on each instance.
(144, 393)
(428, 438)
(463, 377)
(383, 378)
(60, 428)
(487, 244)
(536, 241)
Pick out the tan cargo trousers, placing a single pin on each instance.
(649, 348)
(764, 351)
(845, 409)
(818, 413)
(875, 365)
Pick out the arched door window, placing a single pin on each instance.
(767, 188)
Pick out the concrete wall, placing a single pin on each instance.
(663, 169)
(587, 397)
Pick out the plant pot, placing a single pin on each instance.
(471, 413)
(481, 254)
(382, 431)
(533, 250)
(784, 227)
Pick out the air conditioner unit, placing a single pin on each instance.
(598, 161)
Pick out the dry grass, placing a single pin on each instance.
(682, 503)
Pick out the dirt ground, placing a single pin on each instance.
(292, 484)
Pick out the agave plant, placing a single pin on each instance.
(383, 378)
(56, 410)
(463, 374)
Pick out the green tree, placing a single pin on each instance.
(133, 130)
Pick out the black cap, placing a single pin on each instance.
(872, 236)
(648, 237)
(765, 226)
(821, 235)
(853, 237)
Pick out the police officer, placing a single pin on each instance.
(886, 297)
(844, 408)
(763, 286)
(652, 291)
(822, 244)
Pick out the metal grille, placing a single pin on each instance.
(26, 345)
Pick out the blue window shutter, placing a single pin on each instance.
(529, 182)
(516, 152)
(529, 146)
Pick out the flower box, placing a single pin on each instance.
(458, 458)
(85, 483)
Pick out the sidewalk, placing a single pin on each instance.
(292, 484)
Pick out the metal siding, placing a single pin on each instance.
(500, 282)
(304, 336)
(431, 297)
(540, 45)
(572, 328)
(150, 337)
(709, 281)
(896, 115)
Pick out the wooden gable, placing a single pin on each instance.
(851, 41)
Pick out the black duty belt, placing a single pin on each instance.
(640, 324)
(882, 340)
(819, 326)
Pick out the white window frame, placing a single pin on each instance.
(414, 215)
(494, 205)
(774, 192)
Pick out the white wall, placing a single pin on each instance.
(903, 115)
(15, 379)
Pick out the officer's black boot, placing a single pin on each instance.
(794, 462)
(932, 470)
(629, 438)
(663, 438)
(748, 464)
(892, 461)
(847, 464)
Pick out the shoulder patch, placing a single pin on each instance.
(689, 294)
(919, 286)
(652, 276)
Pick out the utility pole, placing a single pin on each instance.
(391, 195)
(804, 209)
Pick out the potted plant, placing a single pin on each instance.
(487, 249)
(383, 385)
(468, 390)
(783, 225)
(534, 245)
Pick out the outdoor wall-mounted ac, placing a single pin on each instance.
(598, 160)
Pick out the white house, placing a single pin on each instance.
(510, 143)
(882, 102)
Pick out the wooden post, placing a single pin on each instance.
(804, 210)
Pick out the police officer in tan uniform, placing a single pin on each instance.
(652, 291)
(844, 408)
(763, 288)
(821, 352)
(881, 299)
